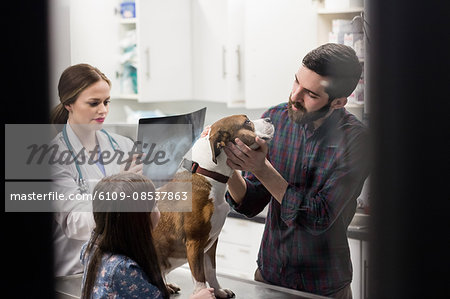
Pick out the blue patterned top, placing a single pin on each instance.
(119, 276)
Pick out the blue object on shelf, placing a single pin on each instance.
(128, 10)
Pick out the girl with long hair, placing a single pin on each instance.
(120, 258)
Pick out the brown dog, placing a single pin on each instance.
(193, 236)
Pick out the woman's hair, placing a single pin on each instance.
(73, 81)
(119, 231)
(340, 64)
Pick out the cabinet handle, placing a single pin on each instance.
(147, 64)
(238, 56)
(244, 251)
(224, 63)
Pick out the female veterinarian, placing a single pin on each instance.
(84, 93)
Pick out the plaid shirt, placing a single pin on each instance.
(304, 245)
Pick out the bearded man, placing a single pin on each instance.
(310, 174)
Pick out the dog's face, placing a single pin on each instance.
(229, 128)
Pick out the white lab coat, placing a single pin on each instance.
(73, 224)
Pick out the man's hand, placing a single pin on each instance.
(241, 157)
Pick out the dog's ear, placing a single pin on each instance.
(217, 140)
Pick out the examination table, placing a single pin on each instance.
(69, 287)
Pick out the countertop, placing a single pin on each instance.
(258, 218)
(68, 287)
(358, 233)
(358, 229)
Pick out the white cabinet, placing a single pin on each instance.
(94, 36)
(356, 255)
(238, 246)
(277, 36)
(359, 252)
(164, 49)
(163, 41)
(218, 46)
(209, 45)
(247, 52)
(240, 52)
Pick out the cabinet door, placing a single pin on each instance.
(355, 255)
(278, 33)
(164, 43)
(209, 37)
(237, 250)
(236, 52)
(94, 30)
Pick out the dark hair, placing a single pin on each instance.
(118, 232)
(340, 64)
(74, 80)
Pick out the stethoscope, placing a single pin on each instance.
(82, 185)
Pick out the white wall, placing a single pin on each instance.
(60, 58)
(59, 44)
(214, 111)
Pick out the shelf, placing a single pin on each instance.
(128, 21)
(351, 10)
(236, 104)
(354, 105)
(129, 96)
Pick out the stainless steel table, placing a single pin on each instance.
(69, 287)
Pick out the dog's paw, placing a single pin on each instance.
(224, 293)
(172, 288)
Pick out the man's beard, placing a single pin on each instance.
(302, 117)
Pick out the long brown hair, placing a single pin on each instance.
(120, 231)
(72, 82)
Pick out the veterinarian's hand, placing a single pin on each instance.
(204, 294)
(133, 164)
(241, 157)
